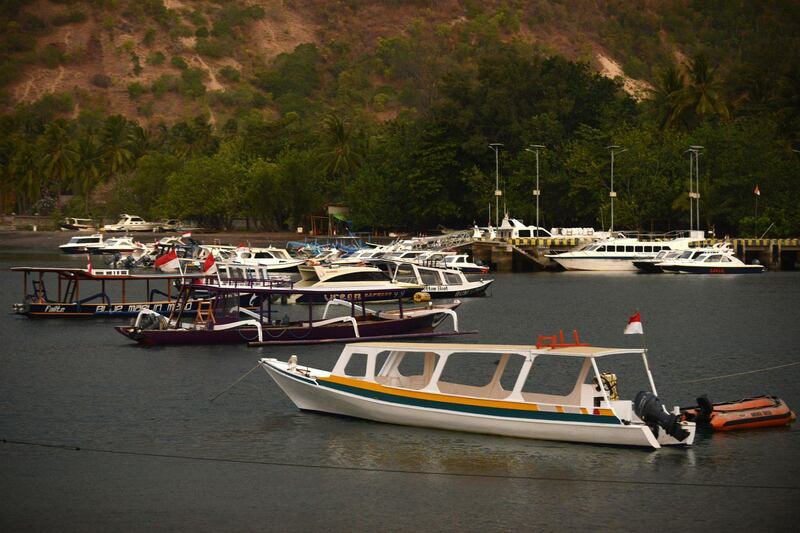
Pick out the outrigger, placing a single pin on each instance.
(73, 298)
(224, 321)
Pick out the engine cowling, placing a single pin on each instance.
(649, 408)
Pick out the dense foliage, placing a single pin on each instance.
(400, 133)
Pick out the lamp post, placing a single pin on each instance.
(534, 148)
(694, 152)
(497, 192)
(612, 194)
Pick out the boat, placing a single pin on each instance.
(461, 262)
(131, 223)
(650, 265)
(84, 244)
(749, 413)
(716, 262)
(512, 228)
(275, 259)
(616, 254)
(77, 224)
(374, 284)
(438, 282)
(123, 246)
(373, 381)
(78, 292)
(225, 322)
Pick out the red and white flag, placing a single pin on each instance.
(89, 264)
(187, 234)
(168, 262)
(757, 191)
(209, 265)
(634, 326)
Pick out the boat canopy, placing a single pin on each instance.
(524, 349)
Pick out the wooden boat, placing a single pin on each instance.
(757, 412)
(76, 293)
(225, 322)
(370, 380)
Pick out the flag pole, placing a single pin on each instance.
(755, 219)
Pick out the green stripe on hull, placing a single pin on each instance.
(474, 409)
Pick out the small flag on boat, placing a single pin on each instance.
(168, 262)
(209, 265)
(187, 234)
(89, 264)
(757, 191)
(634, 326)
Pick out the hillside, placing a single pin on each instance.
(164, 61)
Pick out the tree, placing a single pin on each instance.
(58, 155)
(87, 168)
(116, 141)
(341, 150)
(702, 95)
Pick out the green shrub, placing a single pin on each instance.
(149, 37)
(215, 48)
(179, 63)
(228, 73)
(52, 56)
(101, 80)
(192, 82)
(135, 90)
(156, 58)
(71, 17)
(166, 82)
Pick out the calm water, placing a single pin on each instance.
(156, 454)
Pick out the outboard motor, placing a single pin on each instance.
(649, 408)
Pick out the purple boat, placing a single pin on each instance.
(222, 321)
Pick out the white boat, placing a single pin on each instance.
(82, 244)
(77, 224)
(438, 282)
(359, 257)
(275, 259)
(616, 254)
(124, 246)
(371, 380)
(713, 262)
(375, 284)
(513, 228)
(461, 262)
(131, 223)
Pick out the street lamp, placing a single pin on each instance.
(534, 148)
(497, 192)
(694, 152)
(612, 194)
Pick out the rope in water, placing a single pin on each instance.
(723, 376)
(396, 471)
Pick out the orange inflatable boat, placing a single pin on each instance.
(758, 412)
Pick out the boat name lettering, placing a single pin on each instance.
(54, 309)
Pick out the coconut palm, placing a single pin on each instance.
(664, 96)
(341, 152)
(116, 141)
(702, 95)
(87, 168)
(58, 155)
(24, 168)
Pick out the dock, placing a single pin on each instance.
(528, 255)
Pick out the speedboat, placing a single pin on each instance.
(415, 384)
(650, 265)
(438, 282)
(275, 259)
(131, 223)
(124, 246)
(77, 224)
(83, 244)
(368, 281)
(616, 254)
(461, 262)
(717, 262)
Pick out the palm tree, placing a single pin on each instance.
(59, 156)
(116, 141)
(702, 95)
(342, 151)
(664, 96)
(24, 168)
(87, 170)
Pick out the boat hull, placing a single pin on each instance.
(387, 295)
(290, 334)
(479, 289)
(605, 264)
(96, 310)
(701, 269)
(647, 267)
(385, 406)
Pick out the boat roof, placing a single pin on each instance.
(278, 286)
(567, 351)
(101, 274)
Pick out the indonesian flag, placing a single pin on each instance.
(757, 191)
(168, 262)
(209, 265)
(634, 326)
(89, 264)
(187, 234)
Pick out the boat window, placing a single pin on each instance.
(629, 248)
(713, 259)
(263, 255)
(524, 233)
(414, 371)
(429, 277)
(553, 375)
(452, 279)
(360, 276)
(602, 249)
(639, 249)
(470, 369)
(357, 365)
(650, 249)
(726, 259)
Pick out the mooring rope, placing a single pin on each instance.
(723, 376)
